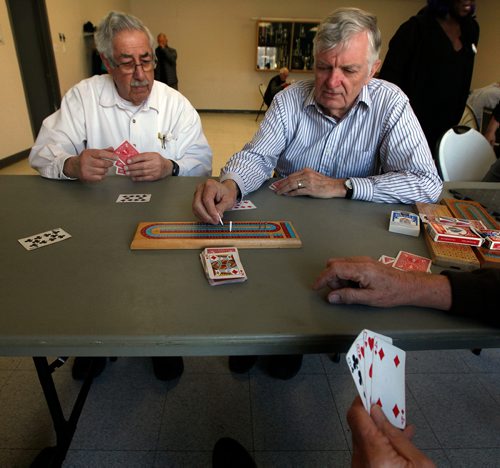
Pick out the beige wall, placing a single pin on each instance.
(215, 41)
(15, 127)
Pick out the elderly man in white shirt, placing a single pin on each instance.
(99, 113)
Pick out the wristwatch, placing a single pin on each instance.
(348, 188)
(175, 168)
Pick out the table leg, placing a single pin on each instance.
(65, 429)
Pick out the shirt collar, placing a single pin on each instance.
(363, 96)
(110, 97)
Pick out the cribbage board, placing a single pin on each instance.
(193, 235)
(444, 254)
(472, 210)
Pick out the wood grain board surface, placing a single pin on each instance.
(472, 210)
(194, 235)
(446, 255)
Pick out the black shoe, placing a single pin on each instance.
(228, 453)
(81, 367)
(241, 364)
(168, 368)
(285, 367)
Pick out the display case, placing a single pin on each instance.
(285, 43)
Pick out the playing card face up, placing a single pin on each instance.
(378, 370)
(222, 265)
(133, 198)
(44, 238)
(243, 205)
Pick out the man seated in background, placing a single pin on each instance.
(343, 135)
(101, 112)
(276, 84)
(488, 96)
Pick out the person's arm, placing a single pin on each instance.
(408, 173)
(61, 137)
(255, 163)
(362, 280)
(376, 442)
(494, 123)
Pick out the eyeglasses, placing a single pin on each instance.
(128, 68)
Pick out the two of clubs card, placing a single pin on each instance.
(222, 265)
(378, 370)
(124, 152)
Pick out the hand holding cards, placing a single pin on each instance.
(222, 265)
(124, 152)
(378, 370)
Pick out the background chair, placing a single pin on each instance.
(469, 118)
(464, 154)
(263, 106)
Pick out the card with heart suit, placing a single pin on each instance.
(378, 370)
(222, 265)
(243, 205)
(44, 238)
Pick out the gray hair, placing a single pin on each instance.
(114, 23)
(339, 27)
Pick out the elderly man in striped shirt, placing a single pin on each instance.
(345, 134)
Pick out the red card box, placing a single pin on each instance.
(491, 239)
(453, 234)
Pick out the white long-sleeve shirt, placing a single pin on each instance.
(93, 115)
(378, 144)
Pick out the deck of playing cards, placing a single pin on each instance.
(405, 222)
(222, 265)
(378, 370)
(454, 234)
(491, 239)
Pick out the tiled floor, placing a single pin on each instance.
(132, 420)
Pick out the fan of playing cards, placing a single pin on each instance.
(222, 265)
(378, 370)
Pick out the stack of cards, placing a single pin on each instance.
(124, 152)
(222, 265)
(407, 261)
(491, 239)
(404, 222)
(378, 370)
(454, 234)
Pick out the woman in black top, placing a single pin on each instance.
(431, 58)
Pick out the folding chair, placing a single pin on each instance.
(263, 106)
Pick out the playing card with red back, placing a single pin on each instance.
(407, 261)
(124, 152)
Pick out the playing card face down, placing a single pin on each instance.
(407, 261)
(44, 239)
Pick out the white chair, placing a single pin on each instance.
(469, 119)
(464, 154)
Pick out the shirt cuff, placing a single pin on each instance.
(237, 180)
(362, 189)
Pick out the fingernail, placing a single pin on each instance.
(334, 299)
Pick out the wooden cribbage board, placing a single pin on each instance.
(473, 210)
(443, 254)
(193, 235)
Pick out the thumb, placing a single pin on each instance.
(349, 296)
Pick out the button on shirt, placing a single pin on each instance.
(93, 115)
(378, 144)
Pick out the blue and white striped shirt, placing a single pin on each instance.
(379, 145)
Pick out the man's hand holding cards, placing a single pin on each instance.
(378, 370)
(125, 152)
